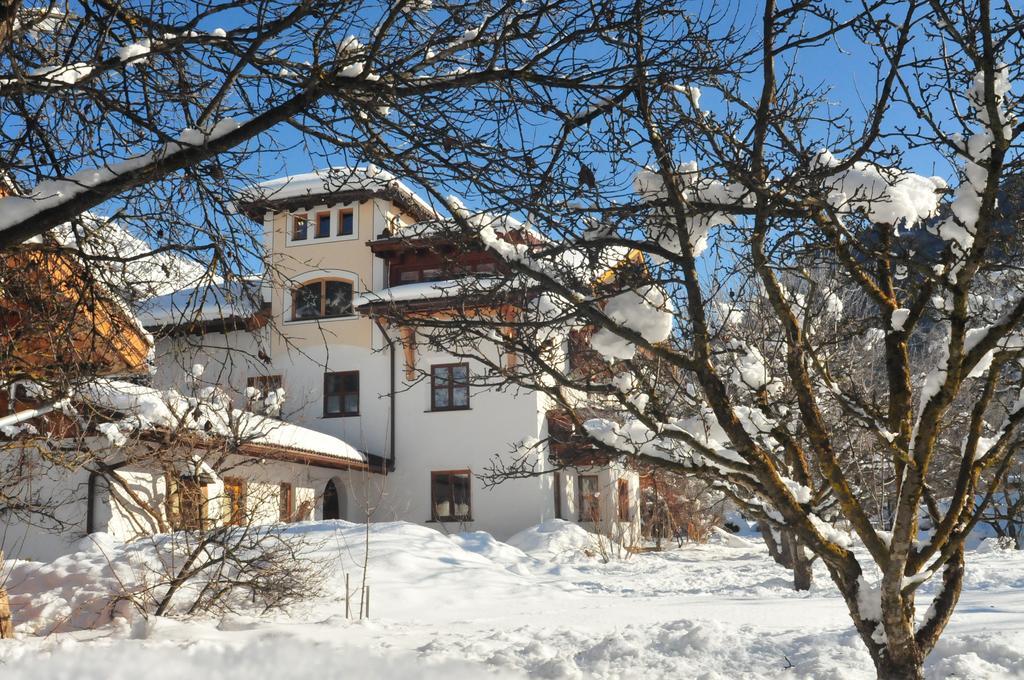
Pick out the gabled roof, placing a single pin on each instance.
(57, 317)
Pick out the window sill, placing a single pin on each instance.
(341, 415)
(448, 410)
(452, 519)
(290, 243)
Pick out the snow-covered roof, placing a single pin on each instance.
(421, 230)
(145, 408)
(334, 180)
(424, 290)
(216, 301)
(144, 275)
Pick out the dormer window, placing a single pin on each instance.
(300, 227)
(323, 299)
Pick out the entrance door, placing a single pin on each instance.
(332, 509)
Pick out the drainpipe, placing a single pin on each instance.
(90, 510)
(391, 393)
(29, 414)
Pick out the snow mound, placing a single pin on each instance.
(554, 540)
(455, 607)
(482, 543)
(410, 568)
(994, 544)
(730, 539)
(74, 592)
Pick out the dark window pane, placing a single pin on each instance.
(460, 396)
(341, 393)
(300, 228)
(339, 298)
(432, 275)
(409, 276)
(347, 226)
(450, 495)
(441, 398)
(307, 302)
(460, 496)
(460, 373)
(439, 492)
(323, 225)
(287, 507)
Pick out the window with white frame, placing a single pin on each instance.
(322, 225)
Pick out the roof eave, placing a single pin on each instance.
(255, 209)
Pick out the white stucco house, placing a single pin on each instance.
(337, 242)
(375, 426)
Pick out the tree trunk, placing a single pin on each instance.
(803, 574)
(789, 552)
(6, 622)
(775, 548)
(890, 670)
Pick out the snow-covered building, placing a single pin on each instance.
(339, 251)
(301, 395)
(85, 448)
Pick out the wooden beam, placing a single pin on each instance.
(409, 347)
(6, 621)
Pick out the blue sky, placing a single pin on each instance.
(843, 66)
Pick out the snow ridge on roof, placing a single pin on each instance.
(139, 273)
(424, 290)
(334, 180)
(214, 301)
(145, 408)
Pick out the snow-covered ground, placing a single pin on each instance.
(468, 606)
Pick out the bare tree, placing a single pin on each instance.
(677, 507)
(132, 129)
(750, 179)
(1004, 513)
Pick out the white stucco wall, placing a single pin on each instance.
(262, 479)
(228, 360)
(425, 441)
(56, 532)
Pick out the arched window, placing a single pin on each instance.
(322, 299)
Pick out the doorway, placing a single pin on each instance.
(334, 500)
